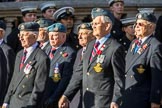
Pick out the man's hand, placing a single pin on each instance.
(114, 105)
(63, 102)
(154, 105)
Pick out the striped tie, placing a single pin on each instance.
(95, 49)
(23, 59)
(51, 55)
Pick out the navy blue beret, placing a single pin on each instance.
(29, 26)
(101, 12)
(2, 25)
(44, 22)
(84, 26)
(147, 16)
(57, 27)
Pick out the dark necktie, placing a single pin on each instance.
(23, 59)
(95, 49)
(51, 55)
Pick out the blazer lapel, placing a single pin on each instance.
(108, 41)
(58, 54)
(133, 57)
(21, 73)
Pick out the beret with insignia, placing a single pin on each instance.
(150, 17)
(29, 26)
(84, 26)
(111, 2)
(28, 9)
(63, 13)
(101, 12)
(2, 25)
(56, 27)
(47, 5)
(44, 22)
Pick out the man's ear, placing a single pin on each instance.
(108, 26)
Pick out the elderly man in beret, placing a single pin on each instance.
(143, 73)
(101, 72)
(85, 35)
(7, 65)
(30, 71)
(65, 15)
(47, 9)
(62, 58)
(43, 37)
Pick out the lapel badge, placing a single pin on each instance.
(139, 50)
(98, 68)
(144, 46)
(140, 69)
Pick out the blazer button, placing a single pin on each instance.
(131, 76)
(23, 86)
(125, 75)
(87, 88)
(19, 96)
(88, 73)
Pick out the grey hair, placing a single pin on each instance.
(106, 19)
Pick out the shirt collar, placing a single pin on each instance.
(1, 40)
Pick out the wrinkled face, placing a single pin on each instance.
(129, 30)
(57, 38)
(85, 36)
(117, 8)
(99, 28)
(27, 38)
(48, 13)
(67, 22)
(43, 35)
(29, 17)
(142, 28)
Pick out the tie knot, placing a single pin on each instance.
(97, 44)
(138, 42)
(25, 52)
(53, 50)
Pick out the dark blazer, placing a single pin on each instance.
(26, 90)
(77, 99)
(100, 88)
(143, 75)
(8, 61)
(55, 89)
(158, 31)
(13, 40)
(46, 47)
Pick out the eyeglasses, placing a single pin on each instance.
(24, 34)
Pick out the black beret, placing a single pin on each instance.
(150, 17)
(44, 22)
(29, 26)
(101, 12)
(2, 25)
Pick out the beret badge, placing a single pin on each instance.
(139, 16)
(22, 27)
(83, 26)
(56, 29)
(67, 11)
